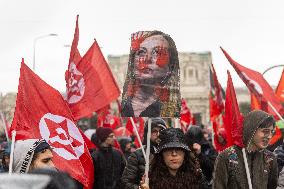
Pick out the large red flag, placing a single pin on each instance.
(257, 85)
(93, 83)
(90, 84)
(41, 112)
(280, 88)
(233, 118)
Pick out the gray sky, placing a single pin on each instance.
(250, 30)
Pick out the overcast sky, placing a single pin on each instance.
(251, 31)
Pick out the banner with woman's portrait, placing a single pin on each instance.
(152, 84)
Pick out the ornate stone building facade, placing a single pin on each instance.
(194, 80)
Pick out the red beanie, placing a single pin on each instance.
(103, 132)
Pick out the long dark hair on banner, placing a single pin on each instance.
(189, 175)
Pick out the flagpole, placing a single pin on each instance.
(177, 125)
(147, 165)
(277, 113)
(12, 151)
(247, 169)
(138, 136)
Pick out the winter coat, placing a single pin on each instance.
(109, 164)
(208, 154)
(229, 171)
(135, 169)
(207, 159)
(281, 180)
(279, 152)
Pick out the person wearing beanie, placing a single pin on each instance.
(32, 154)
(135, 168)
(174, 165)
(230, 171)
(109, 163)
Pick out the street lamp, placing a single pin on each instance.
(35, 40)
(271, 67)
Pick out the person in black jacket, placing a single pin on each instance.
(135, 168)
(109, 163)
(279, 153)
(204, 151)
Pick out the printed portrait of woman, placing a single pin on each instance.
(151, 87)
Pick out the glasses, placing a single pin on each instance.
(155, 131)
(267, 132)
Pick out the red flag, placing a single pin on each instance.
(139, 123)
(232, 118)
(257, 85)
(74, 59)
(93, 83)
(280, 88)
(75, 56)
(90, 84)
(216, 96)
(185, 115)
(254, 104)
(41, 112)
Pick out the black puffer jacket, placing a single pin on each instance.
(135, 169)
(279, 152)
(109, 165)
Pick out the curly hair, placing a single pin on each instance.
(188, 176)
(168, 89)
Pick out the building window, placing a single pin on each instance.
(190, 73)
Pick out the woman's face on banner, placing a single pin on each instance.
(152, 58)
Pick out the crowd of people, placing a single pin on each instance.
(177, 160)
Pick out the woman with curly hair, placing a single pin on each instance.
(174, 166)
(151, 87)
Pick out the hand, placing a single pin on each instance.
(136, 39)
(143, 185)
(197, 148)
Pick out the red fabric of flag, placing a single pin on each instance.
(232, 118)
(93, 83)
(41, 112)
(257, 85)
(280, 88)
(185, 115)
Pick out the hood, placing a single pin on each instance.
(251, 123)
(155, 122)
(123, 142)
(195, 135)
(23, 154)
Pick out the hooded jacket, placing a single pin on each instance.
(229, 171)
(23, 154)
